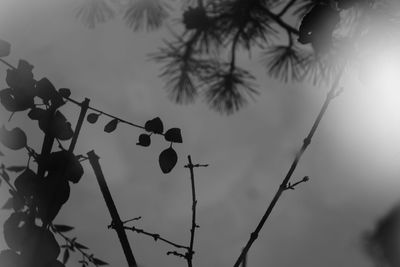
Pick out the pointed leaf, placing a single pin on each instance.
(167, 160)
(64, 92)
(65, 256)
(92, 117)
(5, 176)
(111, 126)
(99, 262)
(80, 246)
(16, 168)
(5, 48)
(144, 140)
(173, 135)
(63, 228)
(155, 126)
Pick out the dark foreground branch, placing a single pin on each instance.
(118, 226)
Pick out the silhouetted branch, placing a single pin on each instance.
(284, 185)
(155, 236)
(116, 220)
(71, 243)
(194, 204)
(293, 186)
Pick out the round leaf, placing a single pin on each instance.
(144, 140)
(111, 126)
(167, 160)
(65, 92)
(93, 117)
(14, 139)
(173, 135)
(155, 126)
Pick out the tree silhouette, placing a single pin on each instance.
(301, 39)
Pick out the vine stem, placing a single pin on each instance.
(306, 142)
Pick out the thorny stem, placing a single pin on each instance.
(254, 235)
(156, 237)
(194, 204)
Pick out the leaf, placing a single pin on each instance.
(92, 12)
(92, 117)
(5, 176)
(37, 113)
(99, 262)
(173, 135)
(62, 228)
(111, 126)
(14, 139)
(5, 48)
(167, 160)
(64, 92)
(155, 126)
(144, 140)
(80, 246)
(9, 204)
(16, 168)
(65, 256)
(1, 154)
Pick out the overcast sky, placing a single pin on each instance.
(352, 161)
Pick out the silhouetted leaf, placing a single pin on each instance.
(144, 140)
(15, 101)
(8, 205)
(16, 168)
(80, 246)
(167, 160)
(37, 113)
(5, 175)
(155, 126)
(111, 126)
(62, 228)
(99, 262)
(64, 92)
(93, 117)
(5, 48)
(27, 183)
(65, 256)
(14, 139)
(173, 135)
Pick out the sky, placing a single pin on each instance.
(352, 161)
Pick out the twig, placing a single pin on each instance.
(190, 253)
(254, 235)
(118, 226)
(156, 237)
(71, 242)
(293, 186)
